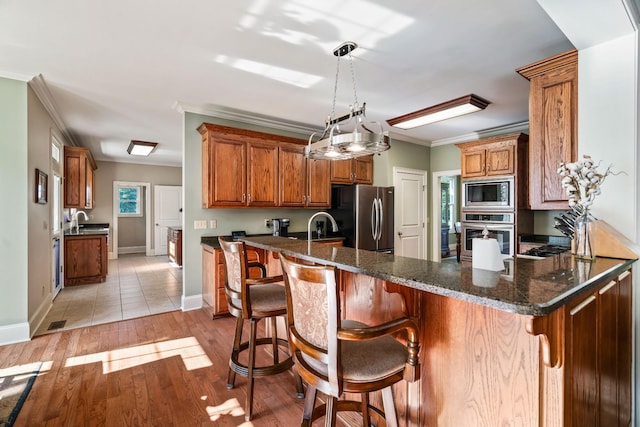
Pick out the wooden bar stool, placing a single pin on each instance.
(337, 356)
(253, 300)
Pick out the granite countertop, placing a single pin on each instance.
(530, 287)
(212, 241)
(86, 232)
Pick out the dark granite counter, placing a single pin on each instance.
(212, 241)
(86, 232)
(530, 287)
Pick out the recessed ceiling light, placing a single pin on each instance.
(447, 110)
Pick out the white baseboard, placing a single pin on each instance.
(132, 250)
(40, 314)
(11, 334)
(193, 302)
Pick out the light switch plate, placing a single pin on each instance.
(199, 224)
(213, 223)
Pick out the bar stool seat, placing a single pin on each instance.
(253, 300)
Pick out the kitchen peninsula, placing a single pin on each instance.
(545, 343)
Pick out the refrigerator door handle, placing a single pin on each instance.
(381, 208)
(374, 217)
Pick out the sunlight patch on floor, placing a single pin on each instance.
(192, 354)
(231, 407)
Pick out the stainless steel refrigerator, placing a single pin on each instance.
(364, 214)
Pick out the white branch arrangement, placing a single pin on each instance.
(582, 181)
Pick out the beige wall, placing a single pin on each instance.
(134, 231)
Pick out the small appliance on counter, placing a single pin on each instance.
(280, 226)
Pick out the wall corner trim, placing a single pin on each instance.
(191, 302)
(15, 333)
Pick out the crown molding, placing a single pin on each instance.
(486, 133)
(255, 119)
(41, 90)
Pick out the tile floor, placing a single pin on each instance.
(136, 286)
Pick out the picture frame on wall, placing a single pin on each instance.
(41, 187)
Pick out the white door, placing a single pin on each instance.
(167, 212)
(409, 212)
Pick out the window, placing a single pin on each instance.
(129, 201)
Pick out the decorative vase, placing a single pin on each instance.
(585, 237)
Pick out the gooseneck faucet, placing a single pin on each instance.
(74, 221)
(334, 225)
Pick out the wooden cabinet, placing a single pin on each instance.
(598, 356)
(352, 171)
(553, 126)
(213, 274)
(504, 155)
(85, 259)
(303, 182)
(174, 244)
(79, 166)
(243, 168)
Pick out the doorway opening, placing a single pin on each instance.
(446, 213)
(138, 211)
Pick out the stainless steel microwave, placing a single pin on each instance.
(488, 194)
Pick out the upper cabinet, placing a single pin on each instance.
(352, 171)
(502, 155)
(242, 168)
(79, 166)
(553, 126)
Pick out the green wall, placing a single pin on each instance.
(15, 193)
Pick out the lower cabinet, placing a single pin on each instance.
(85, 259)
(598, 356)
(213, 276)
(174, 244)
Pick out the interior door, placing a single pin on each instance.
(409, 213)
(167, 213)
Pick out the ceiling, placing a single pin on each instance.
(121, 70)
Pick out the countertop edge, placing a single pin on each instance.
(531, 309)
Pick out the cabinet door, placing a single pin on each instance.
(292, 173)
(89, 186)
(473, 162)
(74, 178)
(582, 381)
(500, 160)
(553, 119)
(319, 183)
(262, 174)
(85, 259)
(625, 348)
(208, 276)
(226, 173)
(363, 170)
(341, 171)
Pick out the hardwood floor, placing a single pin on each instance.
(168, 369)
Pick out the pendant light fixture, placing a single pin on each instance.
(350, 135)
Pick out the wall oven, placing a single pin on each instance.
(499, 225)
(488, 194)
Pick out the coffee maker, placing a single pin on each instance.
(280, 226)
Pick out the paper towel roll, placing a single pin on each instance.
(485, 254)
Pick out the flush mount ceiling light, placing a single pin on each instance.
(141, 148)
(350, 135)
(447, 110)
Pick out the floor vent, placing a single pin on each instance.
(57, 325)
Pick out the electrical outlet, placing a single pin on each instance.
(267, 223)
(199, 224)
(213, 223)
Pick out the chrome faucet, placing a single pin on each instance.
(334, 225)
(74, 221)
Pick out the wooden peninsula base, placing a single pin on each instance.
(550, 345)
